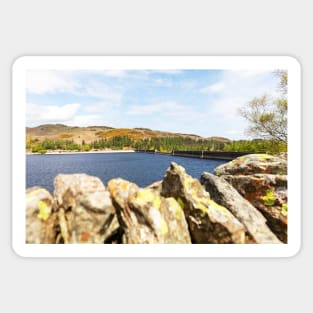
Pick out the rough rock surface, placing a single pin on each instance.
(85, 210)
(268, 193)
(208, 221)
(283, 155)
(146, 217)
(223, 193)
(253, 164)
(41, 221)
(262, 180)
(67, 187)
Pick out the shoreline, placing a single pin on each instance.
(79, 152)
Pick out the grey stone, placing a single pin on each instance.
(208, 221)
(222, 192)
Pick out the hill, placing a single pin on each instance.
(93, 133)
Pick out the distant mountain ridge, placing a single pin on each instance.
(91, 133)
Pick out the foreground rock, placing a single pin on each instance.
(208, 222)
(223, 193)
(85, 210)
(41, 221)
(146, 217)
(268, 193)
(262, 180)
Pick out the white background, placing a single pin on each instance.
(154, 28)
(23, 64)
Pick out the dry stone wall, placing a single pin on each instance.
(180, 209)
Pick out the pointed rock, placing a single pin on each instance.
(222, 192)
(208, 221)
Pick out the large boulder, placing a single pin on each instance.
(41, 221)
(208, 221)
(223, 193)
(67, 187)
(253, 164)
(268, 193)
(262, 180)
(146, 217)
(85, 210)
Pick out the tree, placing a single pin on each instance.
(268, 116)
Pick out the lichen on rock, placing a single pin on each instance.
(85, 209)
(262, 180)
(146, 217)
(208, 222)
(224, 193)
(253, 164)
(41, 221)
(269, 197)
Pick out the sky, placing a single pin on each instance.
(201, 102)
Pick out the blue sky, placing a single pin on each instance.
(202, 102)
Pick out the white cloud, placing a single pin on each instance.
(188, 84)
(40, 82)
(232, 90)
(169, 115)
(97, 107)
(238, 88)
(100, 90)
(41, 114)
(163, 82)
(214, 88)
(72, 82)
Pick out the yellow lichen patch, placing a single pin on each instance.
(157, 202)
(220, 208)
(241, 159)
(177, 207)
(202, 207)
(263, 157)
(164, 227)
(181, 203)
(44, 210)
(269, 198)
(147, 195)
(284, 209)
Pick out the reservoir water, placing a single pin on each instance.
(140, 168)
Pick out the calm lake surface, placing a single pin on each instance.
(140, 168)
